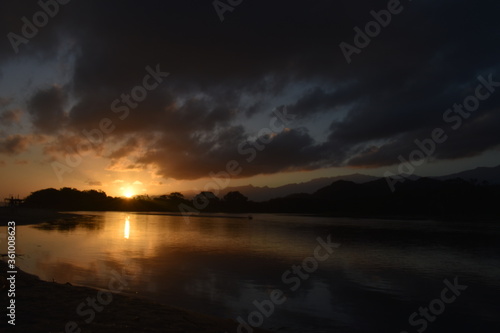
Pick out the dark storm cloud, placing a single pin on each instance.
(290, 150)
(43, 45)
(313, 101)
(395, 91)
(125, 149)
(191, 155)
(46, 108)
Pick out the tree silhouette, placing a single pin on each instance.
(208, 200)
(175, 196)
(234, 201)
(235, 197)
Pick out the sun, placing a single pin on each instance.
(128, 193)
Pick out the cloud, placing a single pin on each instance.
(93, 182)
(46, 108)
(10, 117)
(125, 165)
(5, 101)
(125, 149)
(69, 143)
(14, 144)
(317, 100)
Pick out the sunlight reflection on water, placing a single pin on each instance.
(126, 231)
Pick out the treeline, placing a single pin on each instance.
(72, 199)
(422, 198)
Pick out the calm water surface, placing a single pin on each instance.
(381, 273)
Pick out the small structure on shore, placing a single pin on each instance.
(13, 202)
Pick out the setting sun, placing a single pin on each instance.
(128, 193)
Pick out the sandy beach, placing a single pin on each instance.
(52, 307)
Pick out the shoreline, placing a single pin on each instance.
(36, 216)
(43, 306)
(28, 216)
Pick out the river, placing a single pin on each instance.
(285, 273)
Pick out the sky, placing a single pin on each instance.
(151, 97)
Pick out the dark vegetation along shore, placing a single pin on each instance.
(422, 198)
(25, 215)
(51, 307)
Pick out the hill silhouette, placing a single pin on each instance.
(420, 198)
(490, 175)
(264, 193)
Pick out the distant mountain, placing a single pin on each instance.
(450, 199)
(488, 174)
(349, 189)
(256, 193)
(265, 193)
